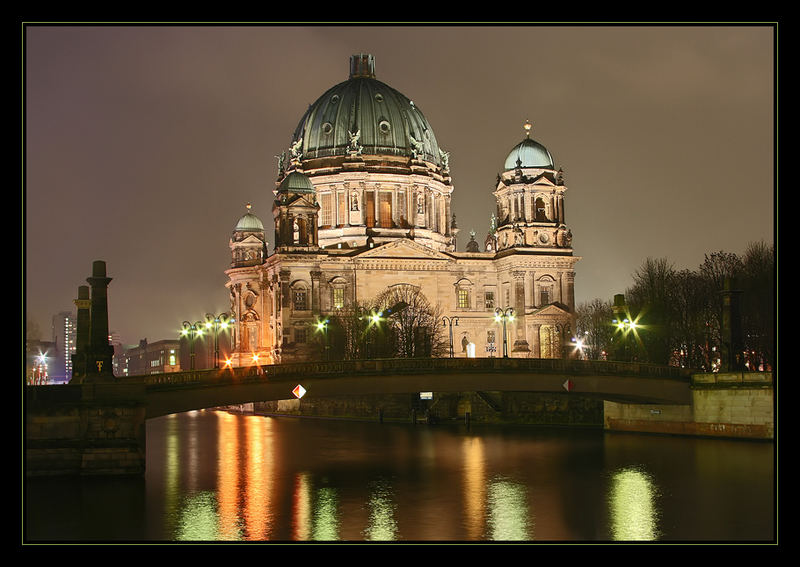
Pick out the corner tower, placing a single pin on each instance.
(530, 200)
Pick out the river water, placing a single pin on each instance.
(221, 476)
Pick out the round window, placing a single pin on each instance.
(384, 126)
(327, 128)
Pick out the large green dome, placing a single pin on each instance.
(385, 121)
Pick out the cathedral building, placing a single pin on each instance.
(363, 206)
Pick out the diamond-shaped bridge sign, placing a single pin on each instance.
(299, 391)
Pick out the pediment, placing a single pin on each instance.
(403, 248)
(542, 179)
(553, 310)
(251, 240)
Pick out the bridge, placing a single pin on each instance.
(98, 427)
(621, 382)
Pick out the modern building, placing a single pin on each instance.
(149, 358)
(63, 334)
(362, 209)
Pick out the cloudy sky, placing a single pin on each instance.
(143, 144)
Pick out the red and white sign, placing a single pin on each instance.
(298, 391)
(568, 385)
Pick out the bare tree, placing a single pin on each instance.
(595, 328)
(412, 325)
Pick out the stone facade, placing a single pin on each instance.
(362, 208)
(739, 405)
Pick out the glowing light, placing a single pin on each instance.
(508, 511)
(632, 506)
(198, 518)
(325, 521)
(228, 363)
(382, 524)
(255, 358)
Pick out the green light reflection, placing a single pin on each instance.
(325, 524)
(382, 525)
(508, 511)
(634, 516)
(198, 520)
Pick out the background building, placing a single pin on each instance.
(63, 334)
(149, 358)
(363, 224)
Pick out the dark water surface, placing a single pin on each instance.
(219, 476)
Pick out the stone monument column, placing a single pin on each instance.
(99, 362)
(79, 358)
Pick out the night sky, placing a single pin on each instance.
(143, 144)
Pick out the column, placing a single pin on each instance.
(99, 363)
(79, 358)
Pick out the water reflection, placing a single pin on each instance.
(325, 522)
(382, 524)
(301, 508)
(198, 521)
(258, 514)
(221, 476)
(474, 458)
(228, 481)
(507, 506)
(632, 506)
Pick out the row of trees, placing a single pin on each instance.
(400, 322)
(678, 314)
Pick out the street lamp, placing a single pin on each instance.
(190, 330)
(504, 315)
(450, 322)
(219, 322)
(322, 326)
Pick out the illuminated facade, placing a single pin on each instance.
(363, 203)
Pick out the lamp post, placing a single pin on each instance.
(322, 326)
(219, 322)
(450, 321)
(504, 315)
(190, 330)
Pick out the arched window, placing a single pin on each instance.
(541, 210)
(463, 294)
(546, 290)
(300, 296)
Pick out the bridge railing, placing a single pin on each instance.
(322, 369)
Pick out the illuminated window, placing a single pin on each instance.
(326, 218)
(489, 296)
(385, 209)
(300, 300)
(338, 297)
(342, 205)
(463, 299)
(369, 207)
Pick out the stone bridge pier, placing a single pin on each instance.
(85, 429)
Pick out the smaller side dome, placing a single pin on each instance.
(296, 182)
(249, 222)
(528, 153)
